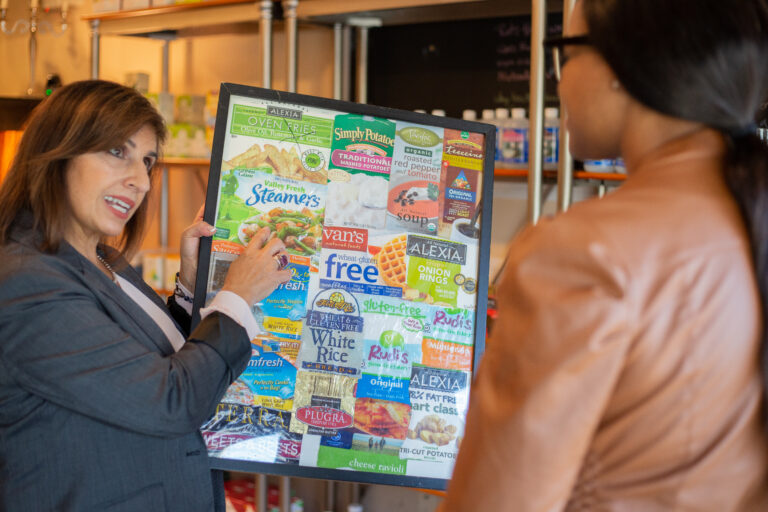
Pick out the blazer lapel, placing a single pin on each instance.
(123, 309)
(129, 315)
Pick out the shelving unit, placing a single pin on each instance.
(511, 172)
(187, 19)
(603, 179)
(401, 12)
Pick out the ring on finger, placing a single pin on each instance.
(282, 261)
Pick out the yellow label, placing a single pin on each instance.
(282, 326)
(464, 162)
(273, 402)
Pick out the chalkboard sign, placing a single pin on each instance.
(454, 66)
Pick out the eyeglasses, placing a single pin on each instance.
(558, 55)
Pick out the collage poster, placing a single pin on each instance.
(365, 357)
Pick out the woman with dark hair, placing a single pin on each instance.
(102, 386)
(624, 371)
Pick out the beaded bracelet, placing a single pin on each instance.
(178, 292)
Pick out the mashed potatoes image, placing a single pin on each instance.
(360, 202)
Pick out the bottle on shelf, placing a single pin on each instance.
(619, 166)
(605, 165)
(502, 123)
(514, 140)
(469, 115)
(438, 112)
(551, 137)
(488, 116)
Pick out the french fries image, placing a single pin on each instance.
(285, 163)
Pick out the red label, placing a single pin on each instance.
(349, 239)
(288, 449)
(324, 417)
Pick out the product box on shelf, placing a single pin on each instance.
(99, 6)
(190, 108)
(132, 5)
(164, 103)
(186, 141)
(211, 104)
(158, 269)
(139, 80)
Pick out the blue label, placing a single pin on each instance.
(383, 388)
(551, 144)
(369, 289)
(605, 164)
(342, 439)
(270, 375)
(498, 153)
(460, 195)
(289, 299)
(514, 146)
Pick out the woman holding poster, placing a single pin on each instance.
(624, 372)
(102, 386)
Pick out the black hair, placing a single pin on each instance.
(704, 61)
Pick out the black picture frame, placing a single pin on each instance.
(227, 91)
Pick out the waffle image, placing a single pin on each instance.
(391, 261)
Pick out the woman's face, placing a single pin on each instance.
(593, 102)
(104, 189)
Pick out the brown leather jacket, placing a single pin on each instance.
(622, 374)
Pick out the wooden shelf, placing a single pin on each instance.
(210, 17)
(400, 12)
(15, 111)
(227, 16)
(510, 172)
(603, 176)
(174, 161)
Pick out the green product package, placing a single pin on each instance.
(266, 123)
(330, 457)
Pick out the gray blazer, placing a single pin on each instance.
(97, 412)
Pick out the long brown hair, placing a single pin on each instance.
(704, 61)
(83, 117)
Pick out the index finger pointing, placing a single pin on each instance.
(275, 246)
(258, 239)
